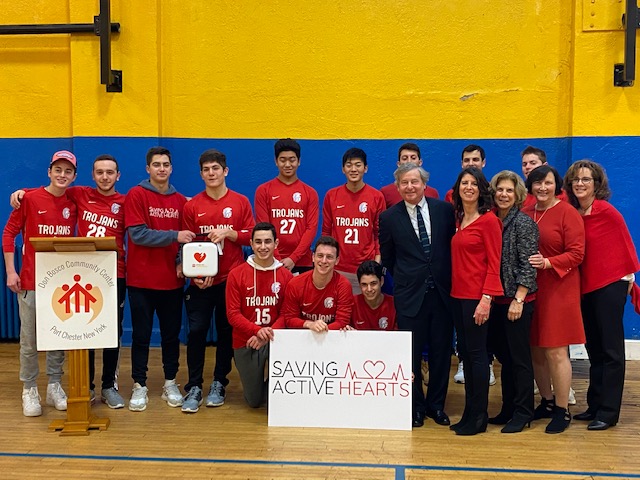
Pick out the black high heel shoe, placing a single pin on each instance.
(463, 420)
(500, 419)
(516, 425)
(545, 409)
(476, 424)
(560, 420)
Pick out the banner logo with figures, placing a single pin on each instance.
(76, 300)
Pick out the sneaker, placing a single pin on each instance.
(171, 393)
(425, 372)
(112, 398)
(56, 396)
(572, 396)
(492, 377)
(139, 398)
(216, 395)
(31, 402)
(92, 396)
(459, 376)
(192, 401)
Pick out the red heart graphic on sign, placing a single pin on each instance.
(374, 369)
(200, 256)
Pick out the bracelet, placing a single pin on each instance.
(519, 301)
(488, 297)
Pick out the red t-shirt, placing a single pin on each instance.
(392, 195)
(332, 304)
(41, 214)
(254, 300)
(293, 210)
(366, 318)
(101, 216)
(203, 214)
(352, 219)
(153, 267)
(475, 259)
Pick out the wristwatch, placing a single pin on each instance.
(519, 300)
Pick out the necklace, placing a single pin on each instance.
(585, 210)
(535, 215)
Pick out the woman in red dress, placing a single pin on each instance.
(475, 280)
(557, 322)
(606, 278)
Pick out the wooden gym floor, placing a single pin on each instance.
(234, 442)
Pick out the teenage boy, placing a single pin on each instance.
(225, 217)
(372, 309)
(472, 156)
(407, 153)
(350, 214)
(101, 214)
(320, 299)
(153, 212)
(255, 294)
(291, 206)
(45, 212)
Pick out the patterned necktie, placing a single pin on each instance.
(422, 233)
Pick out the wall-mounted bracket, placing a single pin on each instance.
(624, 74)
(101, 27)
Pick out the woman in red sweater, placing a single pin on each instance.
(475, 261)
(557, 322)
(606, 278)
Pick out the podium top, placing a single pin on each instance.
(73, 244)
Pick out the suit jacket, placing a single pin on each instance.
(404, 258)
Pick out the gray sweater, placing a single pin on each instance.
(520, 237)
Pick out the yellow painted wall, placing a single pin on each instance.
(321, 70)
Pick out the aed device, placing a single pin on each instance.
(200, 259)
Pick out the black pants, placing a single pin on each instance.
(167, 305)
(110, 356)
(432, 327)
(511, 343)
(602, 312)
(200, 306)
(472, 344)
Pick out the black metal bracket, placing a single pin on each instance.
(101, 27)
(624, 74)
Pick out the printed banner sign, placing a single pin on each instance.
(76, 300)
(354, 379)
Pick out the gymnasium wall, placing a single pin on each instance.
(335, 74)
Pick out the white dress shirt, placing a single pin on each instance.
(424, 208)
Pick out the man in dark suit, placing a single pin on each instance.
(415, 244)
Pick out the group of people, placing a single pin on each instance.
(510, 280)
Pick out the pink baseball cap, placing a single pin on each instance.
(64, 155)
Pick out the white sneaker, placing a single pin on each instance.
(492, 377)
(171, 393)
(31, 402)
(139, 398)
(459, 376)
(572, 396)
(56, 396)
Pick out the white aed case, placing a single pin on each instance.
(200, 259)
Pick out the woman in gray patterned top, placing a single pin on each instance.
(510, 323)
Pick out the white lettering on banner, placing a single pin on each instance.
(355, 379)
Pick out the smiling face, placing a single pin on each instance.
(529, 162)
(473, 159)
(263, 246)
(213, 174)
(61, 173)
(287, 163)
(371, 287)
(354, 169)
(544, 190)
(325, 259)
(469, 191)
(159, 169)
(105, 173)
(411, 187)
(505, 195)
(583, 186)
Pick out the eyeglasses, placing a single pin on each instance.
(584, 180)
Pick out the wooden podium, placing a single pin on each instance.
(79, 419)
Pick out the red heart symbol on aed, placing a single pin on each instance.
(199, 256)
(374, 369)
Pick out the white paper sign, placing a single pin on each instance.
(76, 300)
(354, 379)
